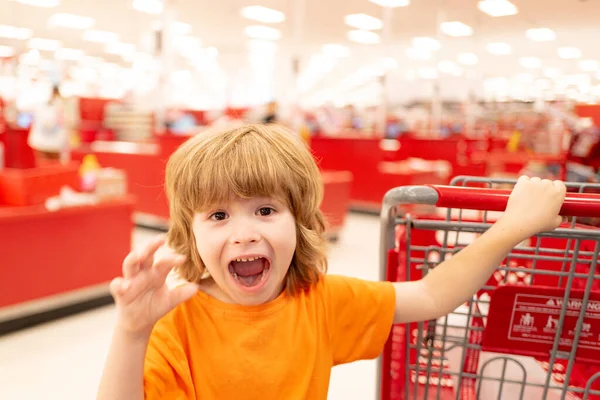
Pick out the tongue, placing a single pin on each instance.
(249, 281)
(249, 268)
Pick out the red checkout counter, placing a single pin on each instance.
(378, 165)
(17, 153)
(54, 263)
(588, 111)
(144, 164)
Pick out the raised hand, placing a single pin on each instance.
(141, 294)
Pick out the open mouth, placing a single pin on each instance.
(249, 272)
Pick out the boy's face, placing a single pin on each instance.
(247, 246)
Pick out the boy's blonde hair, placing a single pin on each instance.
(248, 161)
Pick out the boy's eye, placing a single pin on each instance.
(218, 216)
(266, 211)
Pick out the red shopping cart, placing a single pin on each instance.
(532, 332)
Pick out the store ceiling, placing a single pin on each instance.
(221, 25)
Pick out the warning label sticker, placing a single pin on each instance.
(528, 320)
(536, 318)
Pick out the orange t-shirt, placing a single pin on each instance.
(206, 349)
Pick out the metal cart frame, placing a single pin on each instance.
(563, 261)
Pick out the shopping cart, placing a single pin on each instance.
(532, 332)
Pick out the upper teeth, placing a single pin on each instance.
(247, 259)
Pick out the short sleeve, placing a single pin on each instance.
(166, 369)
(360, 317)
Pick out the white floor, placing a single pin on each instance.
(63, 360)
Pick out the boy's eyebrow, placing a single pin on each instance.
(278, 199)
(266, 198)
(205, 208)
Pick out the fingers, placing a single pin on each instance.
(560, 185)
(149, 279)
(147, 254)
(164, 265)
(520, 185)
(118, 287)
(131, 264)
(139, 259)
(182, 293)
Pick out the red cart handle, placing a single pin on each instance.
(575, 205)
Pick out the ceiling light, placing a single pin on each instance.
(188, 45)
(181, 76)
(6, 51)
(418, 54)
(569, 53)
(391, 3)
(530, 62)
(121, 49)
(426, 43)
(83, 73)
(69, 54)
(263, 14)
(387, 63)
(370, 72)
(136, 57)
(540, 34)
(336, 50)
(524, 77)
(363, 21)
(71, 21)
(449, 67)
(262, 32)
(178, 28)
(100, 36)
(588, 65)
(88, 60)
(204, 56)
(181, 28)
(40, 3)
(44, 44)
(427, 73)
(212, 52)
(13, 32)
(497, 8)
(468, 58)
(143, 61)
(410, 75)
(148, 6)
(32, 57)
(456, 29)
(499, 48)
(363, 37)
(262, 46)
(543, 84)
(552, 73)
(446, 66)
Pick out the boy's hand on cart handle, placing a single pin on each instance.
(534, 206)
(141, 295)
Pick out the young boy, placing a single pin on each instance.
(259, 318)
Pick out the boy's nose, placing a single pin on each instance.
(245, 237)
(244, 233)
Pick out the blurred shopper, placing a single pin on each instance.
(271, 115)
(352, 119)
(49, 136)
